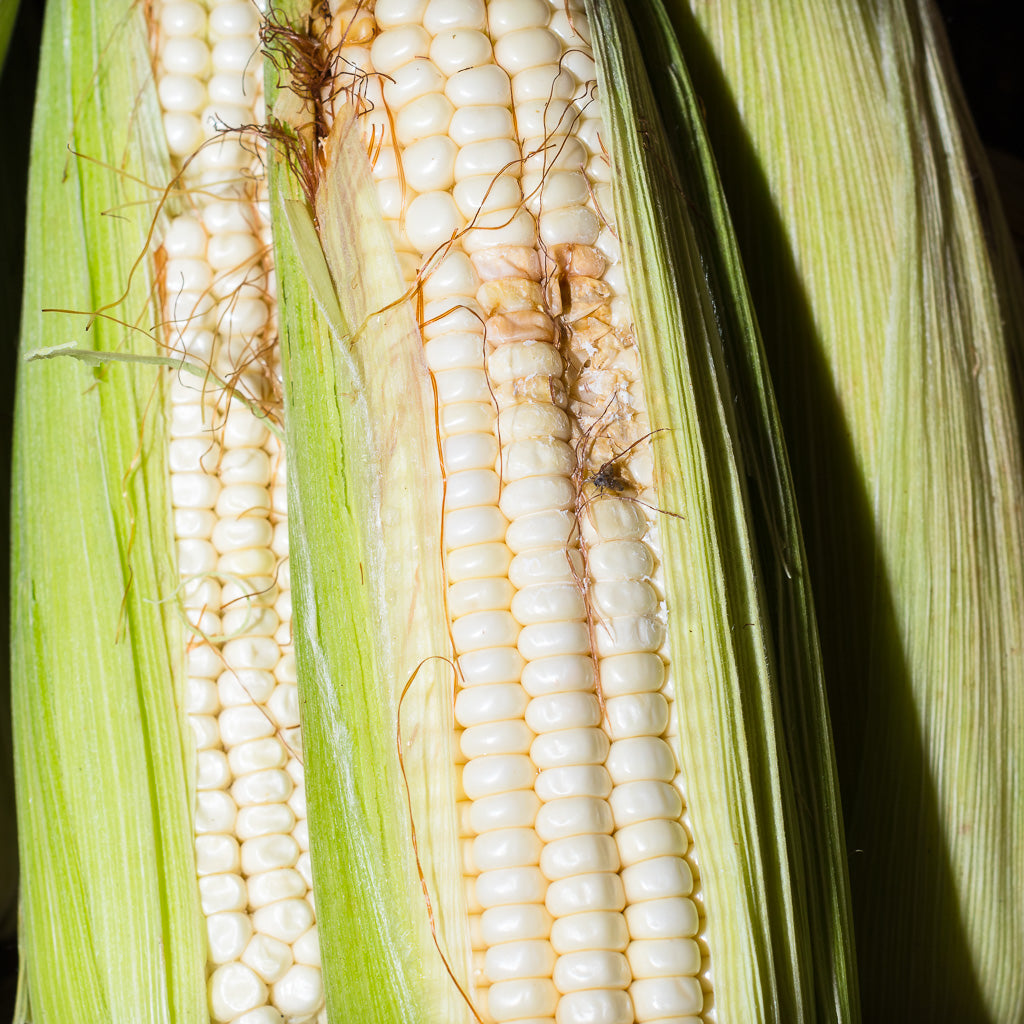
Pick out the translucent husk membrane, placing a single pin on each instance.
(891, 304)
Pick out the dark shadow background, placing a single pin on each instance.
(986, 38)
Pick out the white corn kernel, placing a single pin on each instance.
(488, 776)
(570, 747)
(660, 998)
(224, 891)
(574, 816)
(517, 809)
(657, 879)
(490, 703)
(639, 801)
(227, 936)
(511, 737)
(531, 958)
(235, 989)
(271, 886)
(264, 820)
(597, 929)
(267, 957)
(286, 919)
(593, 969)
(506, 886)
(663, 958)
(268, 852)
(215, 812)
(489, 667)
(674, 917)
(522, 998)
(487, 85)
(639, 714)
(573, 780)
(216, 854)
(585, 893)
(505, 848)
(595, 1006)
(577, 855)
(300, 992)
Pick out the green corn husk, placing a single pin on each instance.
(891, 305)
(110, 927)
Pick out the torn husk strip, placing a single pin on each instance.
(892, 311)
(371, 639)
(732, 744)
(111, 928)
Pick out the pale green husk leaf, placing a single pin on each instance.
(754, 734)
(891, 308)
(110, 912)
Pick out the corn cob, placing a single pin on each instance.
(580, 866)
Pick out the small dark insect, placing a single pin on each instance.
(609, 477)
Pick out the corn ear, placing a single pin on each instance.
(892, 310)
(110, 926)
(761, 866)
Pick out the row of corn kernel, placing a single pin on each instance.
(664, 958)
(251, 837)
